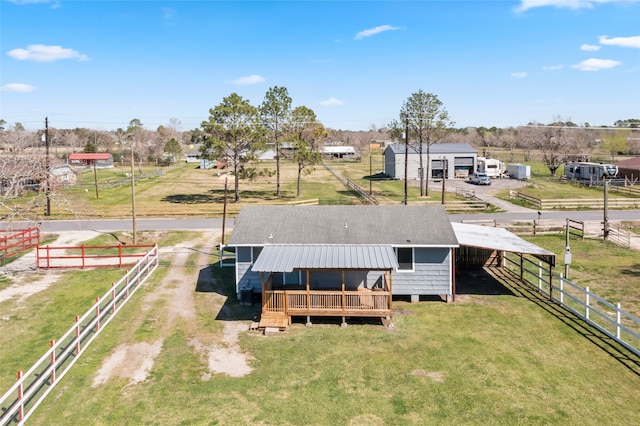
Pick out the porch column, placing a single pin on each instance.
(390, 291)
(264, 298)
(344, 303)
(308, 286)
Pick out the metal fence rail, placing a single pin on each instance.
(19, 402)
(607, 317)
(13, 242)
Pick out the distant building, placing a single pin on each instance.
(101, 160)
(338, 151)
(459, 159)
(629, 169)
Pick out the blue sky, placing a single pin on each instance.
(100, 64)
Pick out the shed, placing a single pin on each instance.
(453, 160)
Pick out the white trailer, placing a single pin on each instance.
(492, 167)
(590, 171)
(519, 171)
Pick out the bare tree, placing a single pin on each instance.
(553, 143)
(428, 123)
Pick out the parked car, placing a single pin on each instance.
(480, 179)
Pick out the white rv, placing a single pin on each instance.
(492, 167)
(590, 171)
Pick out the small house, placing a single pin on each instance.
(324, 260)
(99, 160)
(351, 261)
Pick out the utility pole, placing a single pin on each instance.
(133, 197)
(47, 167)
(406, 156)
(444, 177)
(370, 174)
(606, 209)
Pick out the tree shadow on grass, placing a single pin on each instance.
(218, 196)
(601, 340)
(633, 270)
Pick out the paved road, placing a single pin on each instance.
(512, 213)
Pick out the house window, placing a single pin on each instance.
(255, 253)
(405, 258)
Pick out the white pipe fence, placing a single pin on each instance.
(31, 387)
(607, 317)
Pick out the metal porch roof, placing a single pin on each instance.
(286, 258)
(498, 239)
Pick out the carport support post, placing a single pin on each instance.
(521, 267)
(453, 275)
(550, 282)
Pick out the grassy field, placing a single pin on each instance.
(186, 190)
(506, 359)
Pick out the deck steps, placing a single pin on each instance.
(274, 320)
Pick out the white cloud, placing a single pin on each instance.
(17, 87)
(589, 48)
(552, 67)
(373, 31)
(521, 74)
(54, 3)
(44, 53)
(621, 41)
(593, 64)
(331, 102)
(571, 4)
(251, 79)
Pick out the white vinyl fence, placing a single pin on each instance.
(32, 386)
(607, 317)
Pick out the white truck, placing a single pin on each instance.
(492, 167)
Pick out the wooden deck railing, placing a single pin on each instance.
(328, 303)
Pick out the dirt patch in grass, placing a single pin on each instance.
(176, 294)
(129, 361)
(225, 357)
(436, 376)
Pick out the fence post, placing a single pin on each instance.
(52, 343)
(82, 254)
(20, 396)
(119, 255)
(561, 289)
(586, 302)
(97, 314)
(618, 307)
(77, 334)
(539, 276)
(48, 257)
(113, 298)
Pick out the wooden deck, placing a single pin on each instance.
(274, 320)
(360, 303)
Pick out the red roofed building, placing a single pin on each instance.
(101, 160)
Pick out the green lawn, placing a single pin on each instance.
(485, 359)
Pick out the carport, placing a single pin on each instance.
(479, 243)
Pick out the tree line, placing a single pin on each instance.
(236, 131)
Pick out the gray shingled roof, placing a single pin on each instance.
(399, 225)
(286, 258)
